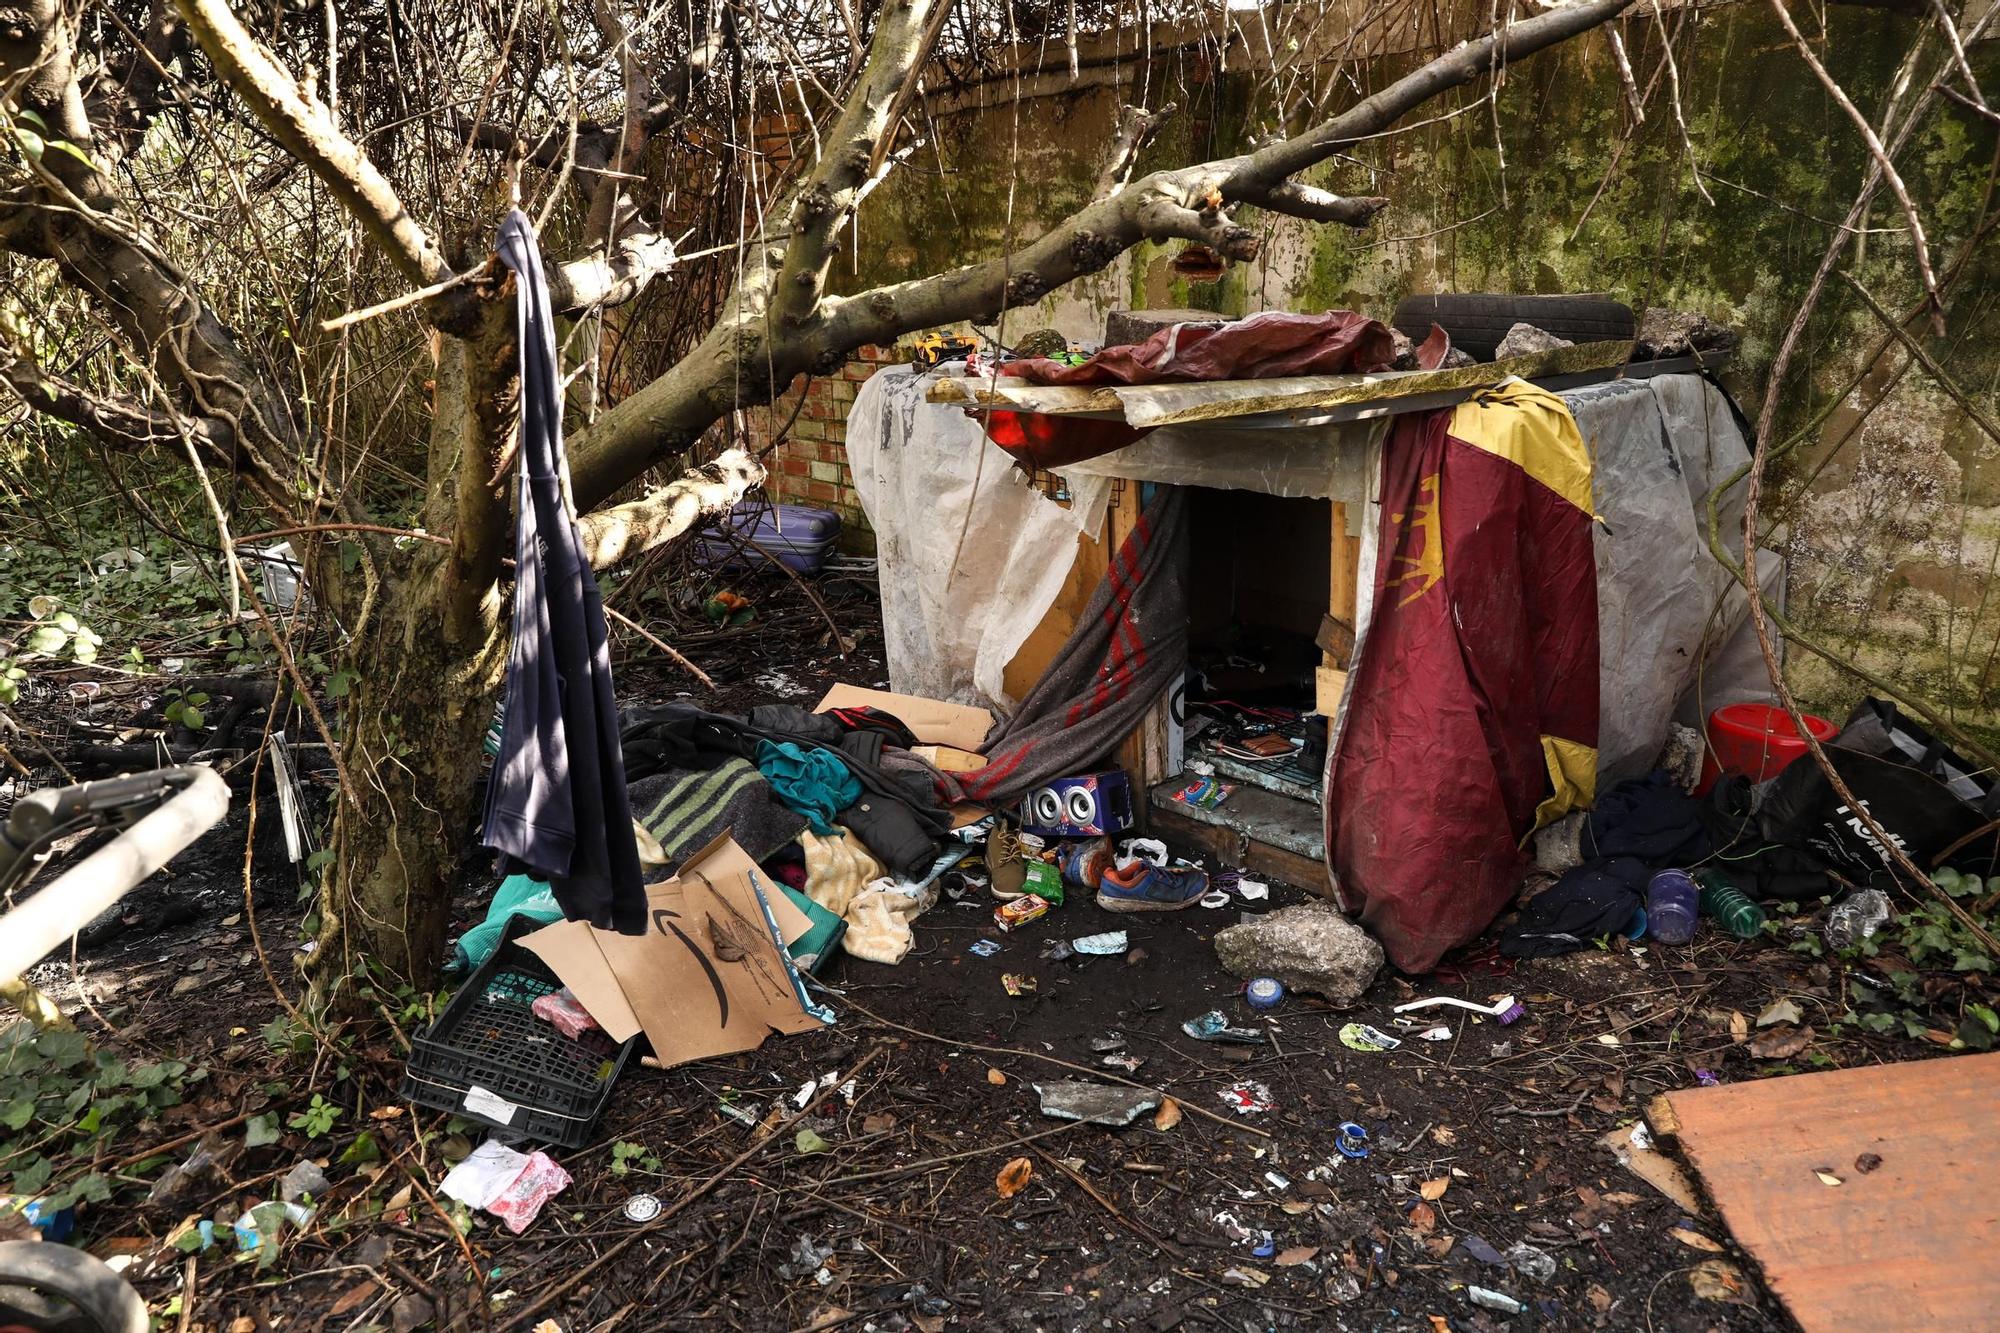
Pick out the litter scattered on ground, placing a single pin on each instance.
(1860, 914)
(1095, 1103)
(1247, 1098)
(1214, 1026)
(1362, 1037)
(983, 948)
(306, 1181)
(1017, 985)
(1264, 993)
(1488, 1299)
(1109, 944)
(1505, 1009)
(1633, 1146)
(512, 1186)
(1351, 1140)
(642, 1208)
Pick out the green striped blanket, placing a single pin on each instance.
(685, 809)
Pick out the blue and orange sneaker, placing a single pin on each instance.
(1145, 887)
(1084, 863)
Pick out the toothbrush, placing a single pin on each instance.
(1506, 1009)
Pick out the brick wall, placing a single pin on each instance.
(810, 467)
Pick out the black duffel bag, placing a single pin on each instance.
(1924, 795)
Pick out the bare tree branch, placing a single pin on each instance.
(1317, 205)
(308, 132)
(1137, 128)
(119, 421)
(748, 359)
(614, 534)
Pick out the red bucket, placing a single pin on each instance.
(1756, 740)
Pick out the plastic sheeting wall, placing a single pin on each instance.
(971, 555)
(1664, 606)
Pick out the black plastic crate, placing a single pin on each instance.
(488, 1038)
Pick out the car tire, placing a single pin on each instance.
(45, 1285)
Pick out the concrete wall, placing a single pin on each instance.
(1894, 522)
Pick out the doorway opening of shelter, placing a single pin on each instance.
(1268, 639)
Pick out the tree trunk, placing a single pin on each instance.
(429, 655)
(411, 735)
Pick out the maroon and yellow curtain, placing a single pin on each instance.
(1472, 718)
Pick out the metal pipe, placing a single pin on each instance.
(73, 899)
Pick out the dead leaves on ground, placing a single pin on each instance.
(1433, 1190)
(1694, 1240)
(1014, 1177)
(1168, 1115)
(1780, 1043)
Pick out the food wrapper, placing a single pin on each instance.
(561, 1008)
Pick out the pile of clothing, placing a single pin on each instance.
(840, 791)
(1640, 828)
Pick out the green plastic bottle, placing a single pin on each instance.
(1725, 902)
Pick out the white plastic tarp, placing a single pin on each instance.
(971, 555)
(1669, 618)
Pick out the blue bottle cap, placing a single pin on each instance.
(1264, 993)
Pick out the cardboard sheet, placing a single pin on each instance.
(706, 980)
(932, 721)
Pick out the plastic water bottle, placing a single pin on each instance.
(1725, 902)
(1672, 899)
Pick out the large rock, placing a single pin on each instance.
(1526, 340)
(1310, 947)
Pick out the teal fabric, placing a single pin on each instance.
(518, 895)
(812, 782)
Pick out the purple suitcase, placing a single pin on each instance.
(798, 536)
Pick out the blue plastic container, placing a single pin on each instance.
(797, 536)
(1673, 905)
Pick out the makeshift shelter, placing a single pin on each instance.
(1311, 509)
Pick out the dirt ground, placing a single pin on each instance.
(1478, 1145)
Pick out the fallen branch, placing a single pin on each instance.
(664, 647)
(1131, 1224)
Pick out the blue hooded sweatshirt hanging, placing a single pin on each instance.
(556, 807)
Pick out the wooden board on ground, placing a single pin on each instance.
(1905, 1239)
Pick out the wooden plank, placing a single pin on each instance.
(1056, 400)
(1336, 638)
(1143, 752)
(1149, 405)
(1907, 1245)
(1231, 848)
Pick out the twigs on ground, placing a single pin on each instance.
(681, 1204)
(1136, 1227)
(663, 646)
(1052, 1060)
